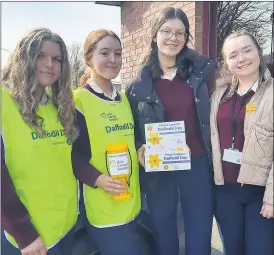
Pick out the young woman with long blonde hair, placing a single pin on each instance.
(242, 140)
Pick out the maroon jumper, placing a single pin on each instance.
(178, 100)
(231, 170)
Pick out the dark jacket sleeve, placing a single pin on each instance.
(15, 218)
(81, 155)
(134, 108)
(211, 82)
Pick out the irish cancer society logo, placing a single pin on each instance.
(110, 116)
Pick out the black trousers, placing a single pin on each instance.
(245, 231)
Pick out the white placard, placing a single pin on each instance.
(232, 156)
(166, 148)
(118, 163)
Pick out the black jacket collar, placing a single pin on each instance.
(142, 88)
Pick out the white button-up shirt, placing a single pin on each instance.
(254, 88)
(172, 75)
(97, 89)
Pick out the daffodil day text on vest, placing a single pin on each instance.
(110, 125)
(52, 203)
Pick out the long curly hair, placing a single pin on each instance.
(90, 44)
(231, 79)
(19, 75)
(151, 58)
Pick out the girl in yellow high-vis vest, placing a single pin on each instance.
(39, 191)
(109, 167)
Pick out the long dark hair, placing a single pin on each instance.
(151, 59)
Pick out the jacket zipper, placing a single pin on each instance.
(219, 148)
(158, 100)
(207, 144)
(252, 100)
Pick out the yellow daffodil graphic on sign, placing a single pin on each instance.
(154, 161)
(180, 149)
(154, 138)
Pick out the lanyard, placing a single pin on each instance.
(234, 120)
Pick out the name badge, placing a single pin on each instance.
(232, 156)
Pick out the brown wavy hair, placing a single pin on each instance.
(230, 78)
(19, 75)
(90, 44)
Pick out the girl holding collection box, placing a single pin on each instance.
(109, 170)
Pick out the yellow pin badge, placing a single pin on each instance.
(250, 108)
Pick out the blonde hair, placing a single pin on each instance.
(93, 38)
(19, 75)
(232, 80)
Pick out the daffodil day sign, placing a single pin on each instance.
(166, 148)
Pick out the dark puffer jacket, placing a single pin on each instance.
(148, 108)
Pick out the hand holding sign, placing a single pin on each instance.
(141, 155)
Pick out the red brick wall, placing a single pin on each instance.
(136, 18)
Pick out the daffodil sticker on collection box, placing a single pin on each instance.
(166, 148)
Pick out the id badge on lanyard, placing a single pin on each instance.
(233, 155)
